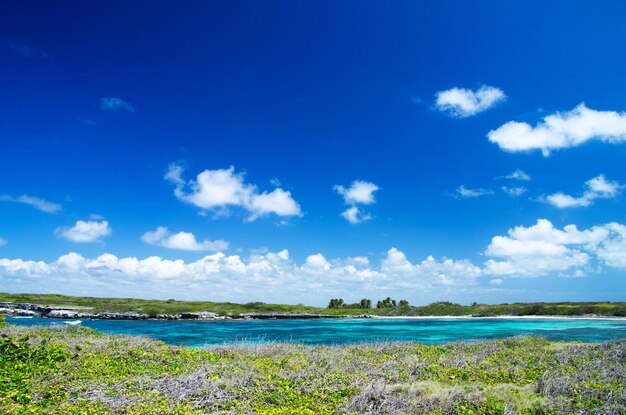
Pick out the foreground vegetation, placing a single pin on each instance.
(73, 370)
(388, 307)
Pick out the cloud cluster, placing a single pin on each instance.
(269, 277)
(34, 201)
(541, 248)
(359, 192)
(463, 103)
(514, 191)
(518, 174)
(85, 231)
(532, 251)
(224, 188)
(596, 188)
(115, 104)
(184, 241)
(561, 130)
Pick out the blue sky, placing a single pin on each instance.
(294, 152)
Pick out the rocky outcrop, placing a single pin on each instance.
(37, 308)
(167, 317)
(122, 316)
(200, 315)
(18, 313)
(66, 314)
(71, 314)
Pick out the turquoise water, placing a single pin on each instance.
(347, 331)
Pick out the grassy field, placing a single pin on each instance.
(74, 370)
(153, 307)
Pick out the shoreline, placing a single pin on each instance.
(75, 312)
(331, 317)
(503, 317)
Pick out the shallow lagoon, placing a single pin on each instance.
(348, 331)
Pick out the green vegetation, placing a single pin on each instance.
(617, 309)
(386, 303)
(387, 307)
(336, 303)
(74, 370)
(153, 307)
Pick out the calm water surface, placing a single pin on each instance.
(346, 331)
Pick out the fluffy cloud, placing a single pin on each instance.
(359, 192)
(518, 174)
(278, 201)
(271, 277)
(34, 201)
(462, 103)
(430, 271)
(184, 241)
(221, 188)
(115, 104)
(316, 263)
(515, 191)
(596, 188)
(540, 249)
(354, 215)
(561, 130)
(84, 231)
(465, 192)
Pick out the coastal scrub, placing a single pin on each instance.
(74, 370)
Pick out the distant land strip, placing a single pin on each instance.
(62, 306)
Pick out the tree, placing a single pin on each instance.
(386, 303)
(365, 303)
(335, 303)
(403, 303)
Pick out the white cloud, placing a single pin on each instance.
(462, 103)
(278, 201)
(518, 174)
(271, 277)
(316, 263)
(465, 192)
(354, 215)
(612, 248)
(115, 104)
(596, 188)
(515, 191)
(3, 241)
(184, 241)
(540, 249)
(85, 231)
(359, 192)
(34, 201)
(561, 130)
(537, 250)
(218, 189)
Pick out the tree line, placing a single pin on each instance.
(367, 303)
